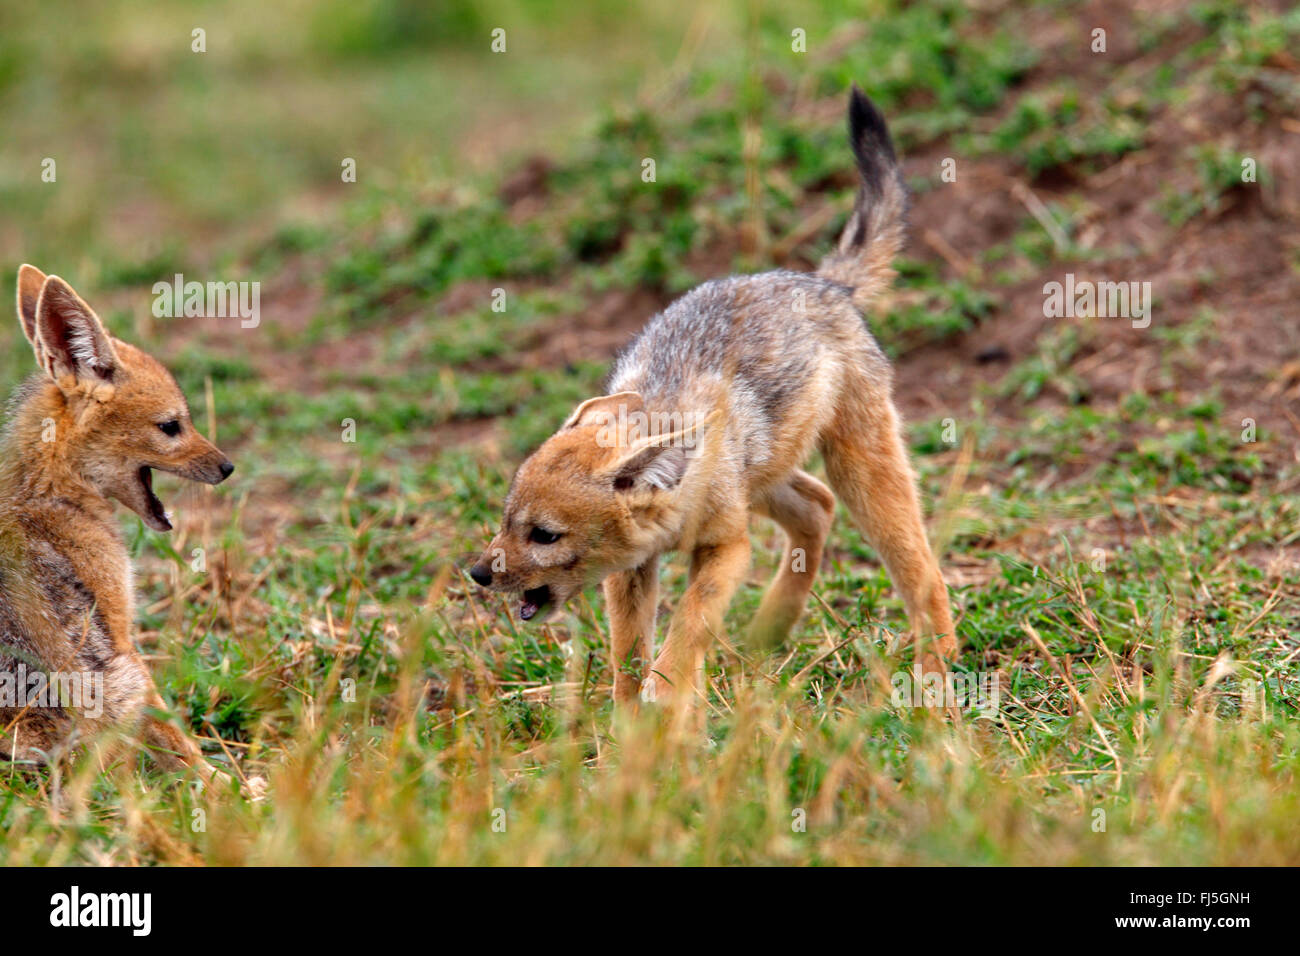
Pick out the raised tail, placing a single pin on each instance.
(874, 234)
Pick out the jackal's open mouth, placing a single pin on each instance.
(534, 600)
(156, 510)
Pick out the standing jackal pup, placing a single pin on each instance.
(750, 374)
(97, 423)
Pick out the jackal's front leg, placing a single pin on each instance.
(169, 746)
(173, 749)
(716, 572)
(631, 600)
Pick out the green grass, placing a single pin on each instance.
(1112, 557)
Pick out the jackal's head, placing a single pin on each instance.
(117, 414)
(595, 498)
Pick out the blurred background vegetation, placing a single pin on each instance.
(160, 149)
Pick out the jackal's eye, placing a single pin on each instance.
(542, 536)
(171, 429)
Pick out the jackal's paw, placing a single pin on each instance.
(255, 789)
(215, 781)
(767, 634)
(658, 693)
(655, 690)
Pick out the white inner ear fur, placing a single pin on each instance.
(659, 467)
(663, 460)
(70, 338)
(81, 342)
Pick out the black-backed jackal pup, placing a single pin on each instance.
(94, 425)
(714, 408)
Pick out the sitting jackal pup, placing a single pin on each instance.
(714, 408)
(94, 426)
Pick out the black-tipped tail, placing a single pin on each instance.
(874, 232)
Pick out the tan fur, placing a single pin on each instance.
(768, 368)
(77, 439)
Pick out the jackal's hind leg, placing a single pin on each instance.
(804, 508)
(868, 466)
(29, 735)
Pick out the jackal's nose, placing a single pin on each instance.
(226, 469)
(482, 575)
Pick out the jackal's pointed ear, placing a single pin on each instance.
(652, 466)
(660, 462)
(605, 409)
(30, 280)
(70, 339)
